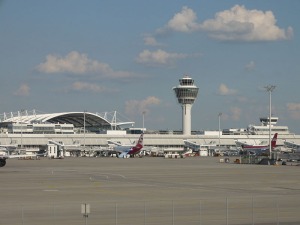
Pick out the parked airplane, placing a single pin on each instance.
(254, 149)
(4, 157)
(125, 151)
(6, 149)
(6, 153)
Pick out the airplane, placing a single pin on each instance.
(254, 149)
(4, 157)
(125, 151)
(8, 149)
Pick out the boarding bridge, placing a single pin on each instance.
(293, 146)
(63, 150)
(55, 149)
(191, 145)
(203, 149)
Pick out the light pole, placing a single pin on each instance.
(22, 110)
(269, 89)
(219, 115)
(85, 210)
(144, 112)
(84, 130)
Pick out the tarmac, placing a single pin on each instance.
(148, 190)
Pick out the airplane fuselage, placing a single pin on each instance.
(134, 150)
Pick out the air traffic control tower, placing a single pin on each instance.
(186, 93)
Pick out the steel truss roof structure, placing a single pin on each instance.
(91, 121)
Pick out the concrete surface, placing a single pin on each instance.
(148, 191)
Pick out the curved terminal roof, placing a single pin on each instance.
(92, 121)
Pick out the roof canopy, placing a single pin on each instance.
(92, 121)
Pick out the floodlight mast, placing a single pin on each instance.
(219, 115)
(269, 89)
(186, 93)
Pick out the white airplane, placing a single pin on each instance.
(8, 149)
(125, 151)
(4, 157)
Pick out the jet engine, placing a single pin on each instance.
(2, 162)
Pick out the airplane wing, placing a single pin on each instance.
(243, 143)
(114, 143)
(19, 156)
(4, 157)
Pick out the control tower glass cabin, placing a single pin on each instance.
(186, 93)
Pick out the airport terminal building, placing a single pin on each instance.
(90, 132)
(83, 132)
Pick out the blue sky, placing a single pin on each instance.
(107, 55)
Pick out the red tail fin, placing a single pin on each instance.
(274, 139)
(139, 144)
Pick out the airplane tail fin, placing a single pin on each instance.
(274, 139)
(140, 142)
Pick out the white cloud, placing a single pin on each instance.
(294, 110)
(159, 57)
(90, 87)
(23, 90)
(184, 21)
(224, 90)
(151, 41)
(241, 24)
(235, 24)
(250, 66)
(134, 107)
(74, 62)
(77, 63)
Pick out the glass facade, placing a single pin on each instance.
(186, 82)
(40, 128)
(186, 95)
(186, 92)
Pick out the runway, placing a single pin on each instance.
(148, 190)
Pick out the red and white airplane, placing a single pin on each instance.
(125, 151)
(257, 148)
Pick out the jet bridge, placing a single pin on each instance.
(57, 149)
(202, 149)
(191, 145)
(292, 145)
